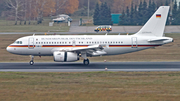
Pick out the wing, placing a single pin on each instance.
(93, 50)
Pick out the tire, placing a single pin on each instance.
(31, 63)
(86, 62)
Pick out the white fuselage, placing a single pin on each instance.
(45, 45)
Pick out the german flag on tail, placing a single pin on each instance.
(158, 15)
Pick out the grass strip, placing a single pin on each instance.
(90, 86)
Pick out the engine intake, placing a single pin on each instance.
(65, 56)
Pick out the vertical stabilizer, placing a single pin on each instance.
(156, 24)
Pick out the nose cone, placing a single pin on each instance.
(9, 49)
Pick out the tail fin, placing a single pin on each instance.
(156, 24)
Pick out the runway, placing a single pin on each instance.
(94, 66)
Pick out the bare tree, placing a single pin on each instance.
(59, 4)
(15, 5)
(30, 11)
(25, 11)
(40, 11)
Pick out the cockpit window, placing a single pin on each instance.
(18, 42)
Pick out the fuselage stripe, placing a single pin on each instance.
(83, 46)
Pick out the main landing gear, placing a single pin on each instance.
(86, 62)
(32, 62)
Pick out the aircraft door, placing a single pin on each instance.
(74, 43)
(134, 42)
(31, 43)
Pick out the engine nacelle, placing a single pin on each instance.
(65, 56)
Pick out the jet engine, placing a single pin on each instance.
(65, 56)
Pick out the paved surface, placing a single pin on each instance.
(95, 66)
(117, 29)
(121, 29)
(74, 29)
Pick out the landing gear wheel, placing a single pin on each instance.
(32, 58)
(31, 62)
(86, 62)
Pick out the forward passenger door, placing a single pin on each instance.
(31, 43)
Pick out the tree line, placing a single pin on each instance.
(28, 10)
(175, 14)
(102, 15)
(134, 14)
(138, 15)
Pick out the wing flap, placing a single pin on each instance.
(93, 47)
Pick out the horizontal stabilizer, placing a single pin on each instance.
(158, 39)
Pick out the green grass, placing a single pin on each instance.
(90, 86)
(8, 26)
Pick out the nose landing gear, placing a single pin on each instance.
(31, 62)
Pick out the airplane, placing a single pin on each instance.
(68, 48)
